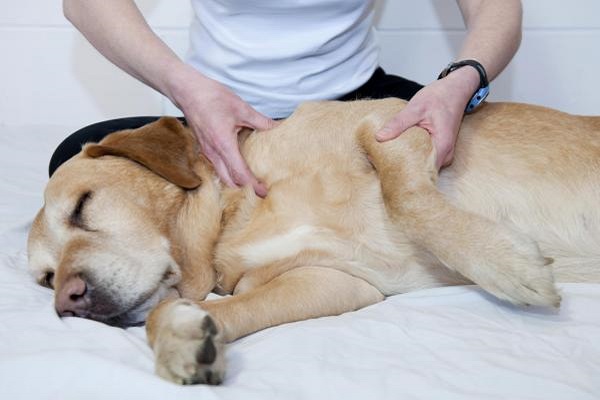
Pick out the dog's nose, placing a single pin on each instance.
(73, 298)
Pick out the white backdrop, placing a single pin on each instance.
(50, 75)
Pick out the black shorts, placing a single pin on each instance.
(379, 86)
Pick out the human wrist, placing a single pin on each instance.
(465, 81)
(177, 83)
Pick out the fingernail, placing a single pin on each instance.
(260, 189)
(381, 136)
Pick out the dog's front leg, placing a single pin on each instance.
(188, 338)
(504, 262)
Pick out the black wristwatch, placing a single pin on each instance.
(484, 87)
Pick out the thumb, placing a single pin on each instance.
(405, 119)
(259, 121)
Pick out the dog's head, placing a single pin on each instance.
(107, 238)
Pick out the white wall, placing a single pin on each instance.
(50, 75)
(557, 65)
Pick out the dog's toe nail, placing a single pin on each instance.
(208, 353)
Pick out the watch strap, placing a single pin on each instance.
(484, 87)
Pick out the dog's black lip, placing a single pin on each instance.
(118, 321)
(120, 318)
(121, 321)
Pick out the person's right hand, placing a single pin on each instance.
(216, 115)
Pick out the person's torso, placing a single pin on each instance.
(276, 54)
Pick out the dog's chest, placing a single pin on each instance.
(343, 227)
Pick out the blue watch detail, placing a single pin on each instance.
(484, 87)
(477, 99)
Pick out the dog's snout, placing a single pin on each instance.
(73, 298)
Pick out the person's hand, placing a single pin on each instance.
(437, 108)
(216, 115)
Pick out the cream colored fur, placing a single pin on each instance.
(346, 222)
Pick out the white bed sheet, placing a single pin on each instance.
(446, 343)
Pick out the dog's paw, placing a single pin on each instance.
(516, 271)
(188, 348)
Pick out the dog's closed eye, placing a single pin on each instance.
(76, 218)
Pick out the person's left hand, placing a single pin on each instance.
(437, 108)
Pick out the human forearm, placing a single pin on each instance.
(117, 29)
(493, 37)
(493, 32)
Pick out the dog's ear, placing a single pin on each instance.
(165, 147)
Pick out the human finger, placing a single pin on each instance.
(443, 143)
(239, 171)
(219, 165)
(256, 120)
(405, 119)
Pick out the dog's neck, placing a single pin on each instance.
(194, 234)
(202, 217)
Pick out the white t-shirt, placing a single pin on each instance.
(276, 54)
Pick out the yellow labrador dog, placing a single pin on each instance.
(138, 228)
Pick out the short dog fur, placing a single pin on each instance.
(137, 227)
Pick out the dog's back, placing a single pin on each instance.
(538, 171)
(533, 169)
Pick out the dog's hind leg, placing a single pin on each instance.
(188, 337)
(500, 260)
